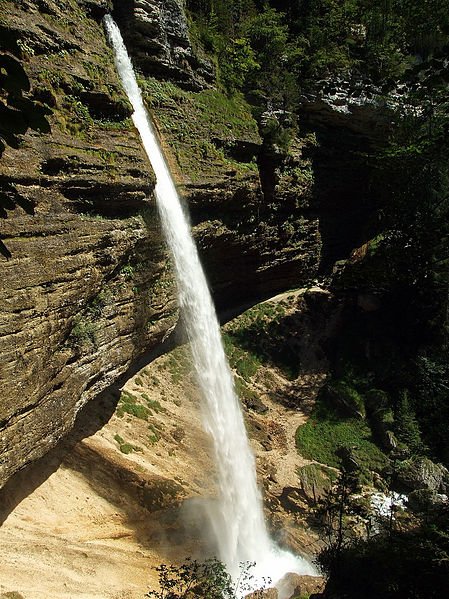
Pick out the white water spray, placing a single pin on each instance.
(238, 523)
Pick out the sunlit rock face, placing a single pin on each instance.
(78, 259)
(157, 35)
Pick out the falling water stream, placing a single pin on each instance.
(238, 523)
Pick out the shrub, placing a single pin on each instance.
(206, 580)
(128, 404)
(83, 333)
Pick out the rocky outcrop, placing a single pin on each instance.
(421, 473)
(158, 36)
(249, 254)
(256, 238)
(359, 106)
(293, 585)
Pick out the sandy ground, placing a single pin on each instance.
(100, 521)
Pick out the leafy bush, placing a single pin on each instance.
(206, 580)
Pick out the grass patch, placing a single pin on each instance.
(326, 431)
(128, 404)
(249, 397)
(243, 362)
(179, 364)
(126, 447)
(350, 400)
(153, 404)
(155, 434)
(128, 397)
(260, 335)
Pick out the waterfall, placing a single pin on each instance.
(238, 522)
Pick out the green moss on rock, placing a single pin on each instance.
(204, 129)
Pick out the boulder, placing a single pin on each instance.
(421, 473)
(296, 585)
(424, 500)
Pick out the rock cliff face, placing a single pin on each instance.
(86, 286)
(252, 209)
(79, 262)
(349, 120)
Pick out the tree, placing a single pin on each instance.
(408, 563)
(237, 61)
(334, 509)
(406, 425)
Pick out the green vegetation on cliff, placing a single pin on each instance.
(327, 431)
(270, 49)
(202, 129)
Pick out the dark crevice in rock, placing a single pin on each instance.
(102, 106)
(97, 9)
(238, 149)
(105, 199)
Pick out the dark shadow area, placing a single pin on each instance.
(286, 341)
(276, 342)
(17, 112)
(9, 200)
(343, 193)
(242, 280)
(295, 397)
(123, 14)
(109, 200)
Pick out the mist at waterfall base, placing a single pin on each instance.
(237, 520)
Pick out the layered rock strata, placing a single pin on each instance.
(85, 287)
